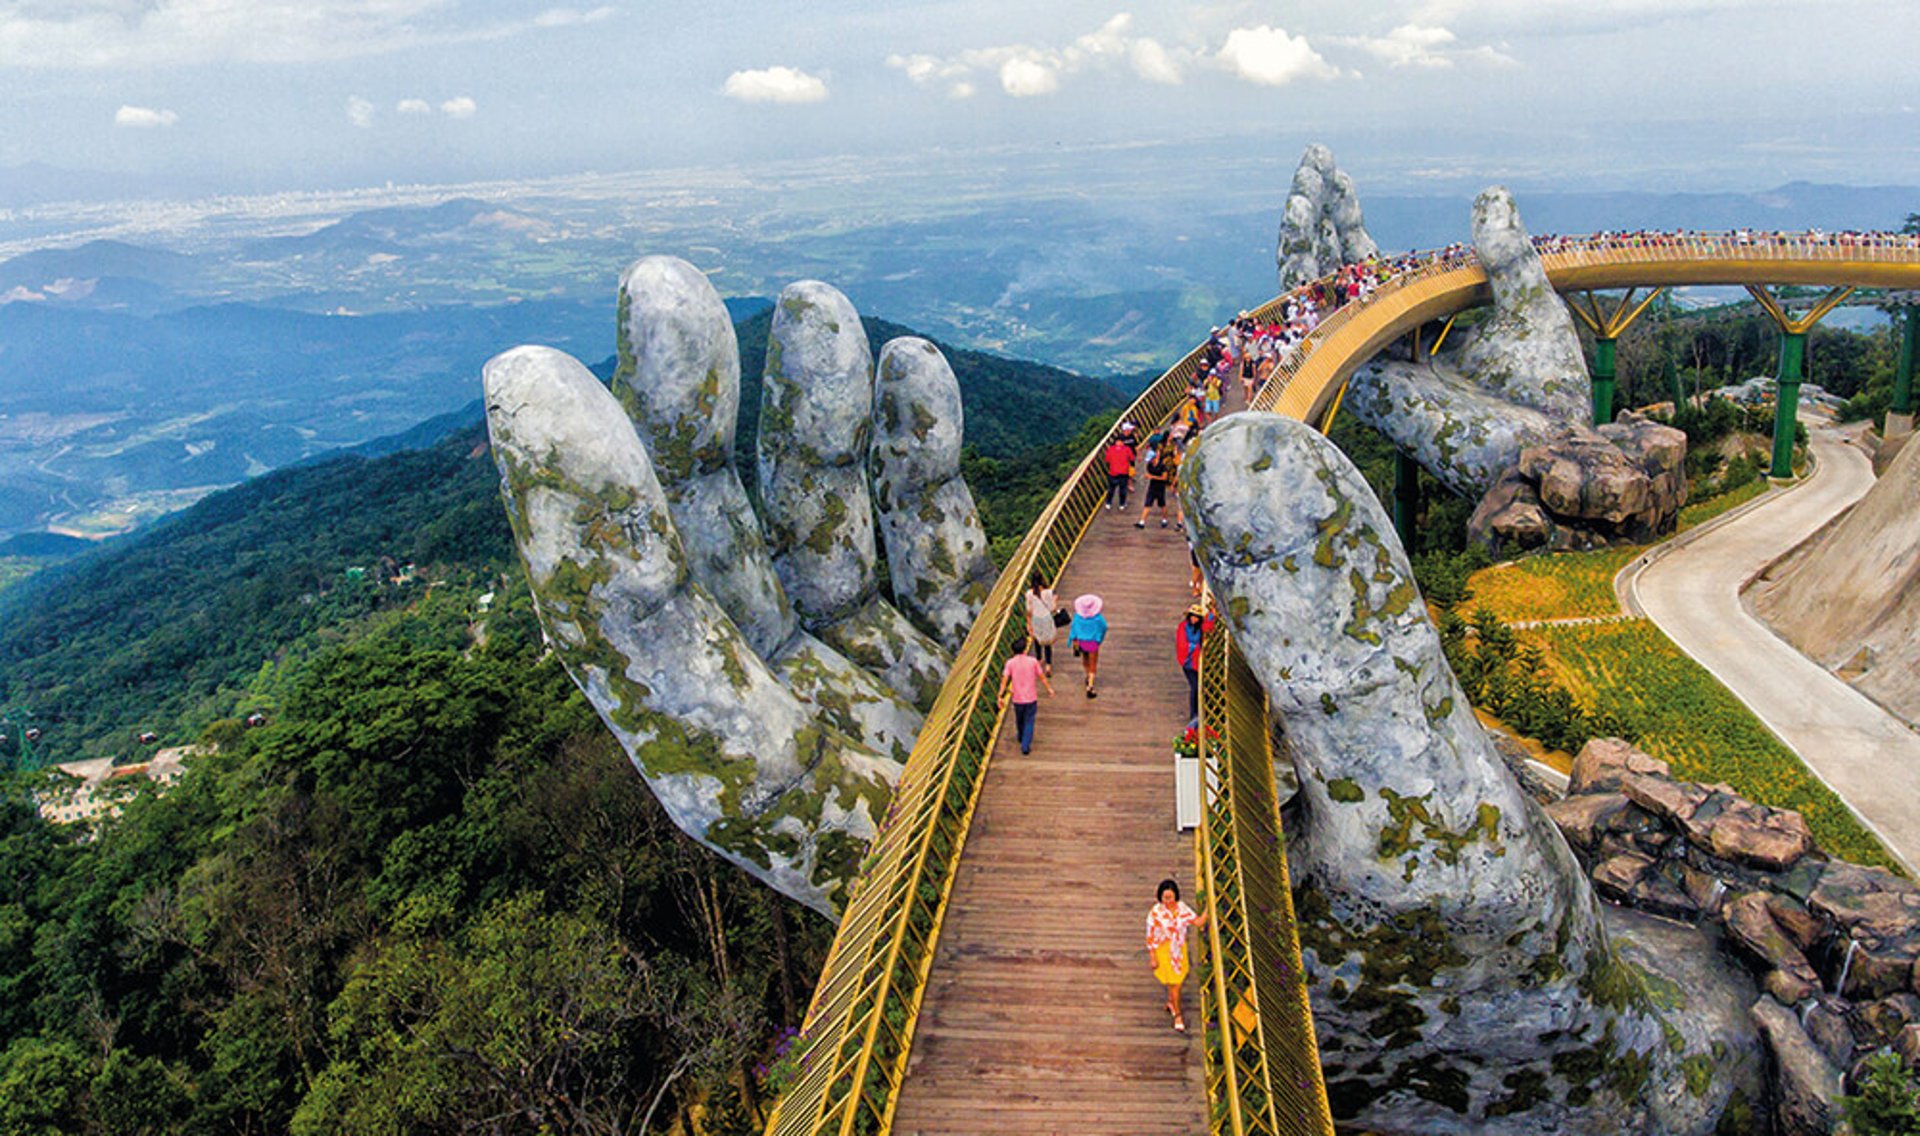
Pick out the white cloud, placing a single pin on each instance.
(1272, 58)
(143, 118)
(775, 85)
(569, 17)
(359, 112)
(1026, 76)
(1425, 46)
(459, 107)
(1153, 62)
(413, 106)
(1575, 17)
(175, 33)
(1025, 70)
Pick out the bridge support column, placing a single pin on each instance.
(1786, 402)
(1603, 379)
(1900, 414)
(1606, 327)
(1793, 353)
(1406, 498)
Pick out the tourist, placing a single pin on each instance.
(1044, 618)
(1213, 394)
(1186, 650)
(1163, 462)
(1118, 457)
(1167, 924)
(1088, 631)
(1021, 680)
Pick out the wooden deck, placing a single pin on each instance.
(1042, 1014)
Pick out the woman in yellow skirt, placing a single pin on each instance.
(1167, 924)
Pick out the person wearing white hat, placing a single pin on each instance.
(1089, 630)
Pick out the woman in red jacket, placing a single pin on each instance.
(1186, 648)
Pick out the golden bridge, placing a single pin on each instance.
(989, 972)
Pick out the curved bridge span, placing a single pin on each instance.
(989, 972)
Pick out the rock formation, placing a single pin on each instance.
(1462, 980)
(1321, 226)
(1837, 945)
(1850, 597)
(935, 545)
(816, 416)
(670, 608)
(1509, 406)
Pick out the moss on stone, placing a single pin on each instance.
(1346, 791)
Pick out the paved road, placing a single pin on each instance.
(1692, 592)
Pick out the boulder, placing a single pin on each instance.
(1581, 474)
(1880, 1022)
(1603, 763)
(1511, 518)
(1617, 876)
(1655, 893)
(1802, 926)
(1907, 1045)
(1871, 901)
(1582, 818)
(1806, 1083)
(1766, 844)
(1878, 967)
(1672, 801)
(1790, 989)
(1828, 1028)
(1751, 925)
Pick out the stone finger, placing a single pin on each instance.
(816, 415)
(936, 548)
(679, 380)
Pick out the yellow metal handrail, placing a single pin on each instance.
(1262, 1062)
(859, 1027)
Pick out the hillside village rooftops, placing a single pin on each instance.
(69, 804)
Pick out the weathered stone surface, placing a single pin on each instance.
(1751, 925)
(1880, 1022)
(1618, 875)
(734, 757)
(1670, 800)
(1511, 518)
(1321, 224)
(1426, 879)
(1801, 925)
(1655, 892)
(1807, 1084)
(1879, 967)
(1773, 847)
(679, 380)
(1829, 1030)
(1872, 901)
(816, 415)
(936, 549)
(1462, 435)
(1582, 818)
(1527, 352)
(1581, 474)
(1789, 989)
(1907, 1045)
(1603, 764)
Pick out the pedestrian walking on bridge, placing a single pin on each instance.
(1021, 680)
(1088, 631)
(1168, 922)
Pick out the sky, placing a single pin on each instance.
(199, 96)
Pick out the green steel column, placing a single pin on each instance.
(1786, 404)
(1603, 376)
(1406, 498)
(1909, 355)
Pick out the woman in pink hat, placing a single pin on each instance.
(1088, 631)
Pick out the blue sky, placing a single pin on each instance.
(245, 95)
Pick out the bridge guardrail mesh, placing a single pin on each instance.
(1262, 1061)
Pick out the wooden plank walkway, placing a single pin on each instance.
(1042, 1014)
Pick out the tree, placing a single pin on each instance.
(1888, 1103)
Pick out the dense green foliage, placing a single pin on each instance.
(1510, 680)
(167, 631)
(1888, 1103)
(430, 891)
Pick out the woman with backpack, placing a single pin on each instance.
(1163, 464)
(1044, 619)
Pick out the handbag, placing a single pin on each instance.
(1061, 619)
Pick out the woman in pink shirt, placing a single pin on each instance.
(1022, 678)
(1167, 924)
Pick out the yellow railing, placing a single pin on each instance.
(1263, 1065)
(859, 1027)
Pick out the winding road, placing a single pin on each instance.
(1691, 590)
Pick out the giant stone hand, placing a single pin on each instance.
(1462, 979)
(758, 680)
